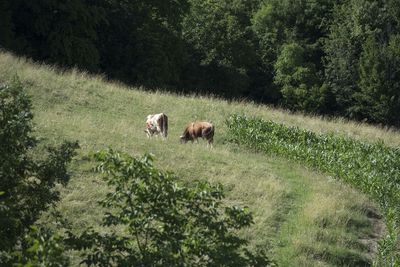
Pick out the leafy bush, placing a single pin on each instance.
(162, 223)
(26, 182)
(372, 168)
(41, 247)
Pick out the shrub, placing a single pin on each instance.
(27, 184)
(163, 223)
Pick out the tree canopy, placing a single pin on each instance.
(348, 49)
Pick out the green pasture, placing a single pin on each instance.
(302, 217)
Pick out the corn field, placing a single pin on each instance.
(373, 168)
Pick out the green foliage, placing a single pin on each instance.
(221, 44)
(388, 253)
(41, 247)
(162, 223)
(359, 62)
(59, 32)
(235, 48)
(378, 98)
(140, 41)
(133, 41)
(6, 34)
(298, 79)
(283, 29)
(27, 180)
(372, 168)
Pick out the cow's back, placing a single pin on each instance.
(204, 129)
(197, 130)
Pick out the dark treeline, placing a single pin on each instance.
(332, 57)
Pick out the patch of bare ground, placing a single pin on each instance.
(378, 230)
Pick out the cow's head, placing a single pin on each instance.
(183, 139)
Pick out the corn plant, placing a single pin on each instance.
(370, 167)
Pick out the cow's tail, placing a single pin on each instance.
(165, 125)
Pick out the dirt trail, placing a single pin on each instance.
(378, 230)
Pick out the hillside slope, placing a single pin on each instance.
(304, 218)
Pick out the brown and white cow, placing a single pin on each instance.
(201, 129)
(157, 124)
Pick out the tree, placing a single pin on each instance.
(221, 46)
(27, 184)
(298, 80)
(6, 34)
(360, 60)
(140, 42)
(58, 32)
(378, 96)
(162, 223)
(279, 23)
(353, 22)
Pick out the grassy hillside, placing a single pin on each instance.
(304, 218)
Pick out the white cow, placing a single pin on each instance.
(157, 124)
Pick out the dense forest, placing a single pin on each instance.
(330, 57)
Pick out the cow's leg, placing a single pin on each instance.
(147, 133)
(158, 131)
(210, 143)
